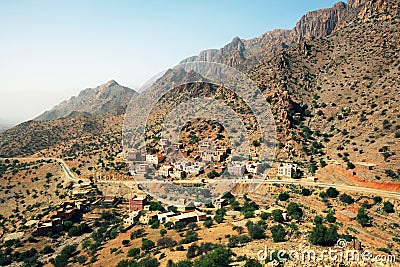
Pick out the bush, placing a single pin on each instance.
(363, 218)
(346, 199)
(388, 207)
(255, 230)
(133, 252)
(332, 192)
(283, 196)
(294, 211)
(252, 263)
(190, 237)
(306, 192)
(208, 223)
(147, 244)
(323, 236)
(166, 242)
(277, 216)
(163, 232)
(278, 233)
(137, 233)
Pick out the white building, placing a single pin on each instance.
(155, 159)
(236, 168)
(287, 170)
(254, 168)
(132, 217)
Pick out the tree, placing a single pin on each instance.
(283, 196)
(323, 236)
(166, 242)
(125, 242)
(363, 218)
(219, 218)
(252, 263)
(345, 198)
(147, 244)
(277, 215)
(306, 192)
(154, 206)
(137, 233)
(318, 220)
(278, 233)
(208, 223)
(133, 252)
(220, 257)
(330, 217)
(255, 230)
(190, 237)
(332, 192)
(388, 207)
(163, 232)
(294, 211)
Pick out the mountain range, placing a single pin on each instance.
(331, 87)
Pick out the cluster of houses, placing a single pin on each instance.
(206, 153)
(239, 169)
(140, 212)
(65, 211)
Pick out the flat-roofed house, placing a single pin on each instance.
(137, 203)
(236, 169)
(155, 159)
(287, 170)
(254, 168)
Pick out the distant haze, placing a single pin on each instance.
(50, 50)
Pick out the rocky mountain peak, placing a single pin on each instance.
(92, 101)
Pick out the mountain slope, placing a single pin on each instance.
(91, 102)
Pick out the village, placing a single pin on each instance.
(208, 162)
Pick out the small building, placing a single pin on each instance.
(205, 145)
(165, 170)
(194, 169)
(220, 203)
(178, 174)
(193, 216)
(137, 203)
(110, 201)
(254, 168)
(236, 169)
(133, 216)
(142, 168)
(182, 165)
(148, 216)
(155, 159)
(163, 217)
(312, 178)
(137, 155)
(287, 170)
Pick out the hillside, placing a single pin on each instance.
(92, 102)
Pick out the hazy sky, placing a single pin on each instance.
(50, 50)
